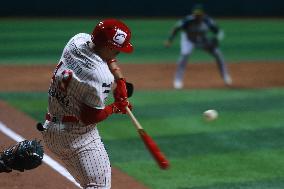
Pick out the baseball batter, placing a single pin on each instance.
(195, 30)
(79, 88)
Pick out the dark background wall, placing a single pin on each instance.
(126, 8)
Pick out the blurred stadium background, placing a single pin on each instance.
(242, 149)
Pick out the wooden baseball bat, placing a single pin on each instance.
(149, 143)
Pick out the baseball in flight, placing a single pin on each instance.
(210, 115)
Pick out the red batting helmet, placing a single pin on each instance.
(113, 34)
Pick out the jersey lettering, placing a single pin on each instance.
(58, 88)
(66, 78)
(107, 87)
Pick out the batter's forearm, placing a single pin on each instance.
(91, 115)
(115, 69)
(117, 74)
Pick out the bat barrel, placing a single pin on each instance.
(154, 150)
(149, 143)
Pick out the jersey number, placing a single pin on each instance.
(66, 78)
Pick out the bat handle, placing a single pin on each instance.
(134, 120)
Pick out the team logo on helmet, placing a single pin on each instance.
(119, 37)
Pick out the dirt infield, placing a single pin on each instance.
(43, 177)
(152, 77)
(156, 76)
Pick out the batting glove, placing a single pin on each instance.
(120, 92)
(120, 107)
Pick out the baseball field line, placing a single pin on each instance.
(46, 159)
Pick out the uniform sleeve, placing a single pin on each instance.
(177, 27)
(179, 24)
(94, 98)
(211, 24)
(186, 21)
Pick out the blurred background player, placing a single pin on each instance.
(78, 92)
(195, 30)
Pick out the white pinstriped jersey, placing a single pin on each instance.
(80, 77)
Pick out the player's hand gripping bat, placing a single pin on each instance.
(149, 143)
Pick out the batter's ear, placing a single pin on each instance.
(130, 89)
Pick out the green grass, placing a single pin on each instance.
(40, 41)
(243, 148)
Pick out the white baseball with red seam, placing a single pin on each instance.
(210, 115)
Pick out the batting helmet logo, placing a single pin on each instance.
(114, 34)
(119, 37)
